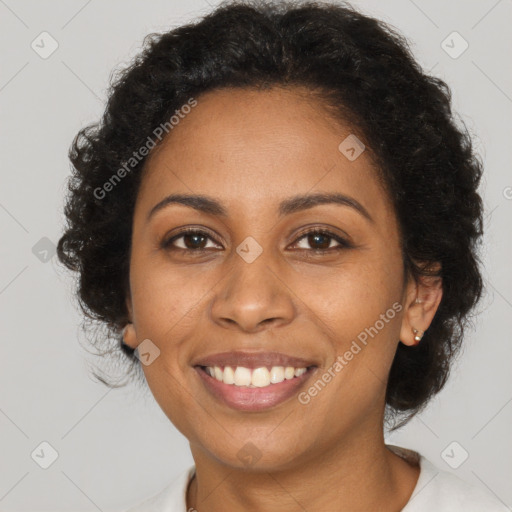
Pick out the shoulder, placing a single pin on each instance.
(171, 499)
(442, 491)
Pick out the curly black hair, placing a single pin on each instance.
(364, 71)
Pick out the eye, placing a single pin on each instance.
(322, 239)
(195, 240)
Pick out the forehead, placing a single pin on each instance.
(250, 147)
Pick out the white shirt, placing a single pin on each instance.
(435, 491)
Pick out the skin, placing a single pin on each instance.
(250, 150)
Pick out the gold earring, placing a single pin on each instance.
(417, 335)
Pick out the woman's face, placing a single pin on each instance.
(260, 293)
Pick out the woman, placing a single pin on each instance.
(278, 219)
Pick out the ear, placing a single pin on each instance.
(129, 335)
(422, 300)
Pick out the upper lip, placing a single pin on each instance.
(252, 360)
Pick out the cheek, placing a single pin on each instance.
(166, 307)
(361, 309)
(164, 299)
(354, 295)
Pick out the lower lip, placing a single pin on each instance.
(245, 398)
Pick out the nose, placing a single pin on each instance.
(253, 297)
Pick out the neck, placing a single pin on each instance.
(357, 475)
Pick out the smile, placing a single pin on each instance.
(254, 378)
(243, 395)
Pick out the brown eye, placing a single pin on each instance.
(193, 240)
(321, 240)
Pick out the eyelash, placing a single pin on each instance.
(344, 244)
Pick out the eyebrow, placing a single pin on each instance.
(288, 206)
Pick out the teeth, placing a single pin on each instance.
(229, 375)
(218, 373)
(260, 377)
(276, 374)
(256, 378)
(242, 376)
(289, 372)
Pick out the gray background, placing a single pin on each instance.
(116, 447)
